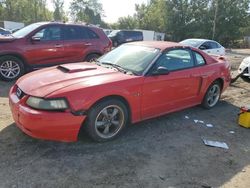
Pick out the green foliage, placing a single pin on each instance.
(58, 13)
(183, 19)
(27, 11)
(89, 11)
(126, 23)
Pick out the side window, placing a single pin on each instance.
(214, 45)
(120, 35)
(175, 60)
(51, 33)
(199, 59)
(75, 33)
(205, 46)
(92, 34)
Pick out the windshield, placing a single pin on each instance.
(131, 58)
(192, 42)
(113, 33)
(26, 30)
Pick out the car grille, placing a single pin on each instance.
(19, 93)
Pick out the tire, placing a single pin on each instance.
(11, 68)
(212, 95)
(106, 120)
(92, 57)
(245, 78)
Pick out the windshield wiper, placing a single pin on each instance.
(118, 67)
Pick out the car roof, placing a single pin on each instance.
(200, 40)
(162, 45)
(62, 23)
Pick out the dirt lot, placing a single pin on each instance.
(162, 152)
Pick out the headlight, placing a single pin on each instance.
(47, 104)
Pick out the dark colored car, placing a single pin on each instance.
(49, 43)
(4, 31)
(119, 37)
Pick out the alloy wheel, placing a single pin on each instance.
(109, 121)
(213, 95)
(10, 69)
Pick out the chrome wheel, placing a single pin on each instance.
(109, 121)
(10, 69)
(213, 95)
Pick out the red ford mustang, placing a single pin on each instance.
(134, 82)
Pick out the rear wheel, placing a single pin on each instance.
(92, 57)
(11, 68)
(212, 95)
(106, 120)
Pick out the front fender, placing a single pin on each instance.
(83, 98)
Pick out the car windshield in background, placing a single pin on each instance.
(192, 42)
(113, 33)
(132, 58)
(26, 30)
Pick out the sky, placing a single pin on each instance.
(113, 9)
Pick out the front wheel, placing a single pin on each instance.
(212, 95)
(106, 120)
(11, 68)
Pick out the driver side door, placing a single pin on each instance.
(46, 46)
(174, 91)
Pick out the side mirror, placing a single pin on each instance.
(35, 39)
(160, 71)
(202, 48)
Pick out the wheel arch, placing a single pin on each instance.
(92, 53)
(220, 81)
(118, 97)
(16, 55)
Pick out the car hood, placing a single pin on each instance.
(7, 38)
(43, 82)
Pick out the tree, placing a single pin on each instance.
(58, 12)
(27, 11)
(89, 11)
(126, 23)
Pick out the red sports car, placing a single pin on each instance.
(134, 82)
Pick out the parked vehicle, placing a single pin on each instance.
(119, 37)
(208, 46)
(4, 31)
(15, 30)
(107, 31)
(133, 82)
(49, 43)
(244, 69)
(151, 35)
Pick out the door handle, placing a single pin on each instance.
(208, 51)
(88, 44)
(58, 46)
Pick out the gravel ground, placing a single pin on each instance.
(163, 152)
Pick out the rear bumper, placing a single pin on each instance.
(57, 126)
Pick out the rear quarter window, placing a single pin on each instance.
(199, 59)
(91, 34)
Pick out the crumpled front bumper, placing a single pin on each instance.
(57, 126)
